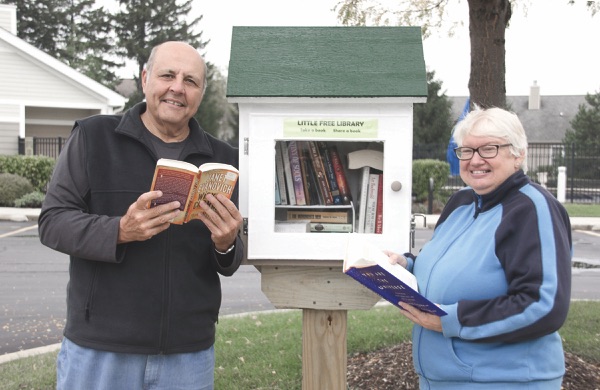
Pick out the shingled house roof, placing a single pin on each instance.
(547, 124)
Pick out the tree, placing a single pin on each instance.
(214, 112)
(488, 20)
(232, 117)
(487, 25)
(71, 31)
(432, 122)
(215, 115)
(142, 24)
(90, 43)
(586, 124)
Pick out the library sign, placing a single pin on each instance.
(330, 128)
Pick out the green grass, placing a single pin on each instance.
(264, 351)
(580, 333)
(582, 210)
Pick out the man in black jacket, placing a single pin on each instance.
(144, 295)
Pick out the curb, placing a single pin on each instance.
(19, 215)
(28, 353)
(9, 357)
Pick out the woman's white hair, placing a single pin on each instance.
(494, 122)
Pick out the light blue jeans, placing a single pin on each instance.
(84, 368)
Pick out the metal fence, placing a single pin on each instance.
(582, 163)
(41, 146)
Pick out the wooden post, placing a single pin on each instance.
(324, 350)
(325, 295)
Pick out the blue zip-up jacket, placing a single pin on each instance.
(500, 266)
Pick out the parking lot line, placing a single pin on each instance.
(18, 231)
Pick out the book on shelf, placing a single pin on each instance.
(277, 194)
(362, 199)
(322, 216)
(320, 174)
(371, 203)
(289, 179)
(322, 227)
(298, 226)
(368, 161)
(334, 189)
(379, 210)
(280, 175)
(188, 184)
(340, 175)
(311, 186)
(370, 266)
(298, 182)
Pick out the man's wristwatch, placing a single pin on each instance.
(227, 251)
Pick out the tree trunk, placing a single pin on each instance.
(487, 26)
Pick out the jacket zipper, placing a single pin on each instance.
(90, 295)
(164, 323)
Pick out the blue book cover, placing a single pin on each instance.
(370, 267)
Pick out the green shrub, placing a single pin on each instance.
(33, 200)
(12, 188)
(36, 169)
(423, 170)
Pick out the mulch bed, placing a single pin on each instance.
(392, 368)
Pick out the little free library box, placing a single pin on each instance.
(325, 154)
(308, 97)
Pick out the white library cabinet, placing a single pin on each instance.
(263, 126)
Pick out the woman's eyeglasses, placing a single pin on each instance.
(485, 151)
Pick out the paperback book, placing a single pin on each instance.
(188, 184)
(371, 267)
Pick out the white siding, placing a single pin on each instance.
(35, 86)
(41, 96)
(8, 17)
(29, 81)
(9, 135)
(9, 111)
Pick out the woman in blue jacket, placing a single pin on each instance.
(499, 263)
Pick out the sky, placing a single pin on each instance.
(554, 44)
(550, 43)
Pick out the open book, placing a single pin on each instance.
(371, 267)
(182, 181)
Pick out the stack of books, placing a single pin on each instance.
(311, 173)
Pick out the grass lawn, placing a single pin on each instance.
(264, 351)
(582, 210)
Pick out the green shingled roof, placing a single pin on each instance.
(356, 62)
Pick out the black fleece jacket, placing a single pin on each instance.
(158, 296)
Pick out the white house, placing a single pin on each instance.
(41, 96)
